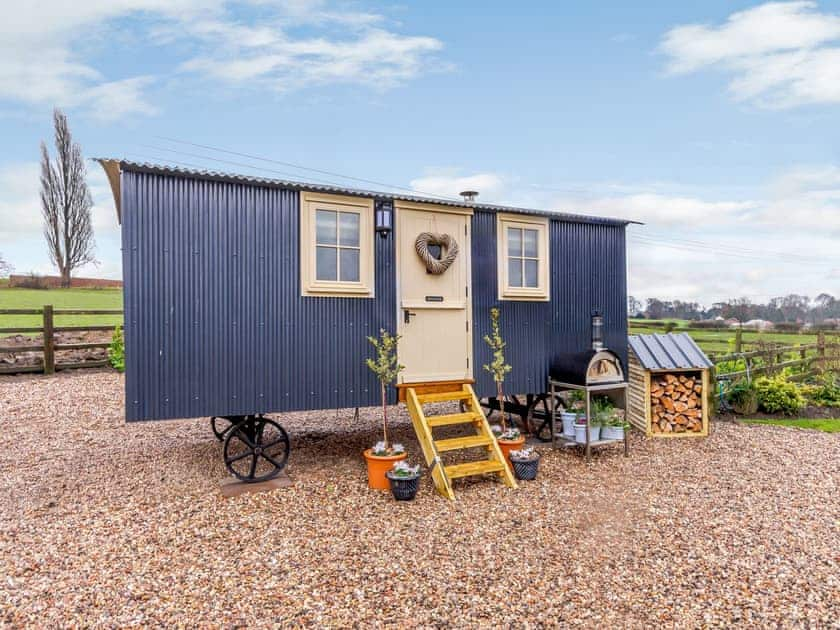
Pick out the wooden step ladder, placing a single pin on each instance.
(472, 414)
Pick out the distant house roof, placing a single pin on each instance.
(674, 351)
(114, 166)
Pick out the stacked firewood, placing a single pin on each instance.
(676, 403)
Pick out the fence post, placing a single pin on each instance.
(821, 350)
(49, 346)
(738, 338)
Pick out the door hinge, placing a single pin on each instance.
(468, 363)
(465, 229)
(467, 291)
(468, 325)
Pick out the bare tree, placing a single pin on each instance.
(5, 267)
(66, 202)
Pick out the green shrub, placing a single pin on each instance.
(778, 395)
(743, 396)
(116, 352)
(826, 393)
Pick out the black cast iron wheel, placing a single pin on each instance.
(256, 449)
(220, 426)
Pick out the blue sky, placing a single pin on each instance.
(714, 122)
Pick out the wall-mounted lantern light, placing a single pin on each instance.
(384, 217)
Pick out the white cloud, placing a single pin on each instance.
(447, 183)
(706, 249)
(779, 54)
(285, 44)
(20, 210)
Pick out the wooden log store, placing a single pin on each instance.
(669, 380)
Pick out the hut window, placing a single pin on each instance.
(523, 257)
(336, 245)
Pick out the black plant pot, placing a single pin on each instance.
(525, 469)
(403, 488)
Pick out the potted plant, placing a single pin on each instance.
(509, 438)
(599, 406)
(382, 456)
(526, 463)
(576, 408)
(614, 425)
(404, 480)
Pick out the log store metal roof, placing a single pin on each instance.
(674, 351)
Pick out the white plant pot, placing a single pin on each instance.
(612, 433)
(580, 433)
(568, 423)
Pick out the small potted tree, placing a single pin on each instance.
(526, 463)
(381, 458)
(404, 480)
(509, 438)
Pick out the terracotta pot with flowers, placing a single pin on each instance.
(509, 438)
(381, 458)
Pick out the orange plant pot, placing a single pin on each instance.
(510, 445)
(378, 465)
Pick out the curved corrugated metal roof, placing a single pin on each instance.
(146, 167)
(673, 351)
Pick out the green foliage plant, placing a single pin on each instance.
(778, 395)
(743, 396)
(498, 367)
(116, 351)
(386, 367)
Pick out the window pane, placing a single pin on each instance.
(326, 263)
(529, 243)
(326, 227)
(515, 272)
(531, 273)
(514, 242)
(349, 265)
(348, 228)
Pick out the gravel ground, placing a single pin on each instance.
(107, 524)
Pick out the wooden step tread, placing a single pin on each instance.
(469, 441)
(452, 418)
(443, 397)
(474, 468)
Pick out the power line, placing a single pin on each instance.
(239, 164)
(732, 252)
(301, 167)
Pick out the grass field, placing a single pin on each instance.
(719, 341)
(828, 425)
(60, 298)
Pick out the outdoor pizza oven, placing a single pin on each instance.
(596, 366)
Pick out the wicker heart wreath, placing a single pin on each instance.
(433, 265)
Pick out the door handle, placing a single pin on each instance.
(407, 315)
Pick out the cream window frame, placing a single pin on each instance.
(310, 203)
(540, 293)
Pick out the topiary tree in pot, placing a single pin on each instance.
(385, 365)
(508, 438)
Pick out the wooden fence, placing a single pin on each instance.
(809, 358)
(48, 345)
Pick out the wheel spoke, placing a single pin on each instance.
(253, 466)
(272, 461)
(280, 440)
(236, 458)
(244, 438)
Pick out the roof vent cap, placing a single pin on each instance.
(469, 195)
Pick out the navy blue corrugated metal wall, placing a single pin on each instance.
(588, 271)
(215, 323)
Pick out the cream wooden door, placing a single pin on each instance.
(434, 315)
